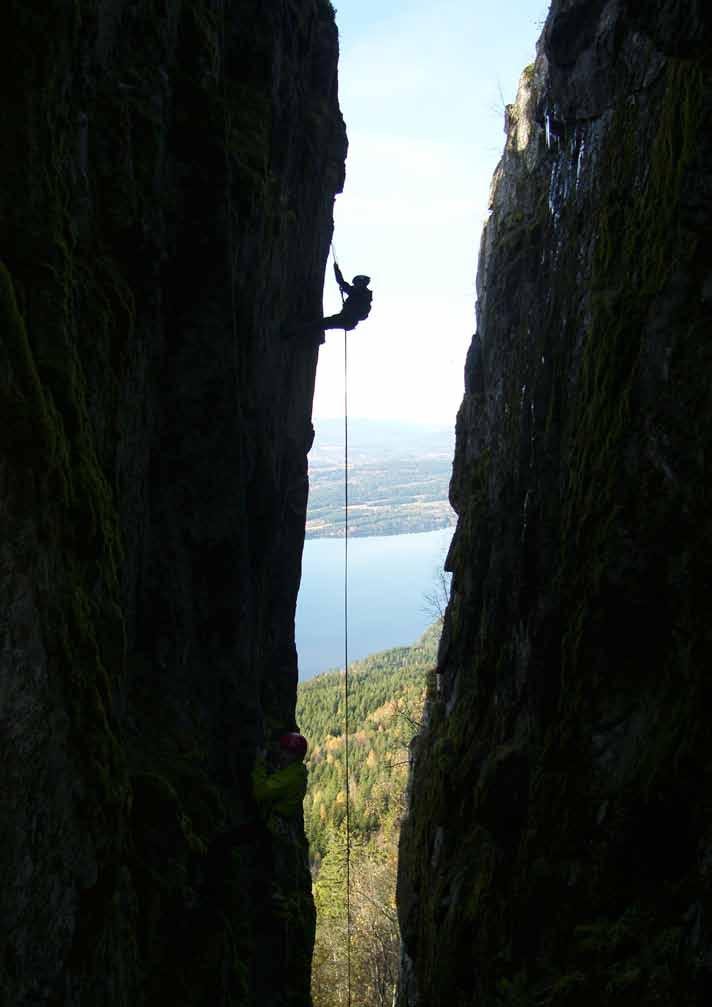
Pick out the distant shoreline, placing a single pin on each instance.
(337, 531)
(398, 481)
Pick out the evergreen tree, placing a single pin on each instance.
(386, 698)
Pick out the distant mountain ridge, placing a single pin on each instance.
(378, 438)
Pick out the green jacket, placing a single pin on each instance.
(281, 792)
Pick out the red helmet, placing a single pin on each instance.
(295, 743)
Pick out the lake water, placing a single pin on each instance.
(389, 578)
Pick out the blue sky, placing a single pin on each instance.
(422, 89)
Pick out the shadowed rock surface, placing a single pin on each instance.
(166, 193)
(558, 846)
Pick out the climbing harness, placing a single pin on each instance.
(346, 656)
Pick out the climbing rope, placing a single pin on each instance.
(346, 656)
(346, 675)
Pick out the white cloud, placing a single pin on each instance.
(405, 362)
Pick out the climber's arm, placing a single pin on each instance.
(346, 287)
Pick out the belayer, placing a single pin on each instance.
(357, 305)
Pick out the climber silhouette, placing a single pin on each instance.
(356, 306)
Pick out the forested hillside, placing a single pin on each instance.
(386, 693)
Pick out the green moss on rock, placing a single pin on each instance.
(28, 428)
(559, 798)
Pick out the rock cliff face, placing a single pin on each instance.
(166, 189)
(558, 848)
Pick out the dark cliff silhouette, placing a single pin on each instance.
(557, 845)
(166, 193)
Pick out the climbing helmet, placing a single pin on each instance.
(294, 743)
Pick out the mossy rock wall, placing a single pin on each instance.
(557, 849)
(166, 194)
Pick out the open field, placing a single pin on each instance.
(398, 481)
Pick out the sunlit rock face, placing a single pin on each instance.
(166, 191)
(558, 845)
